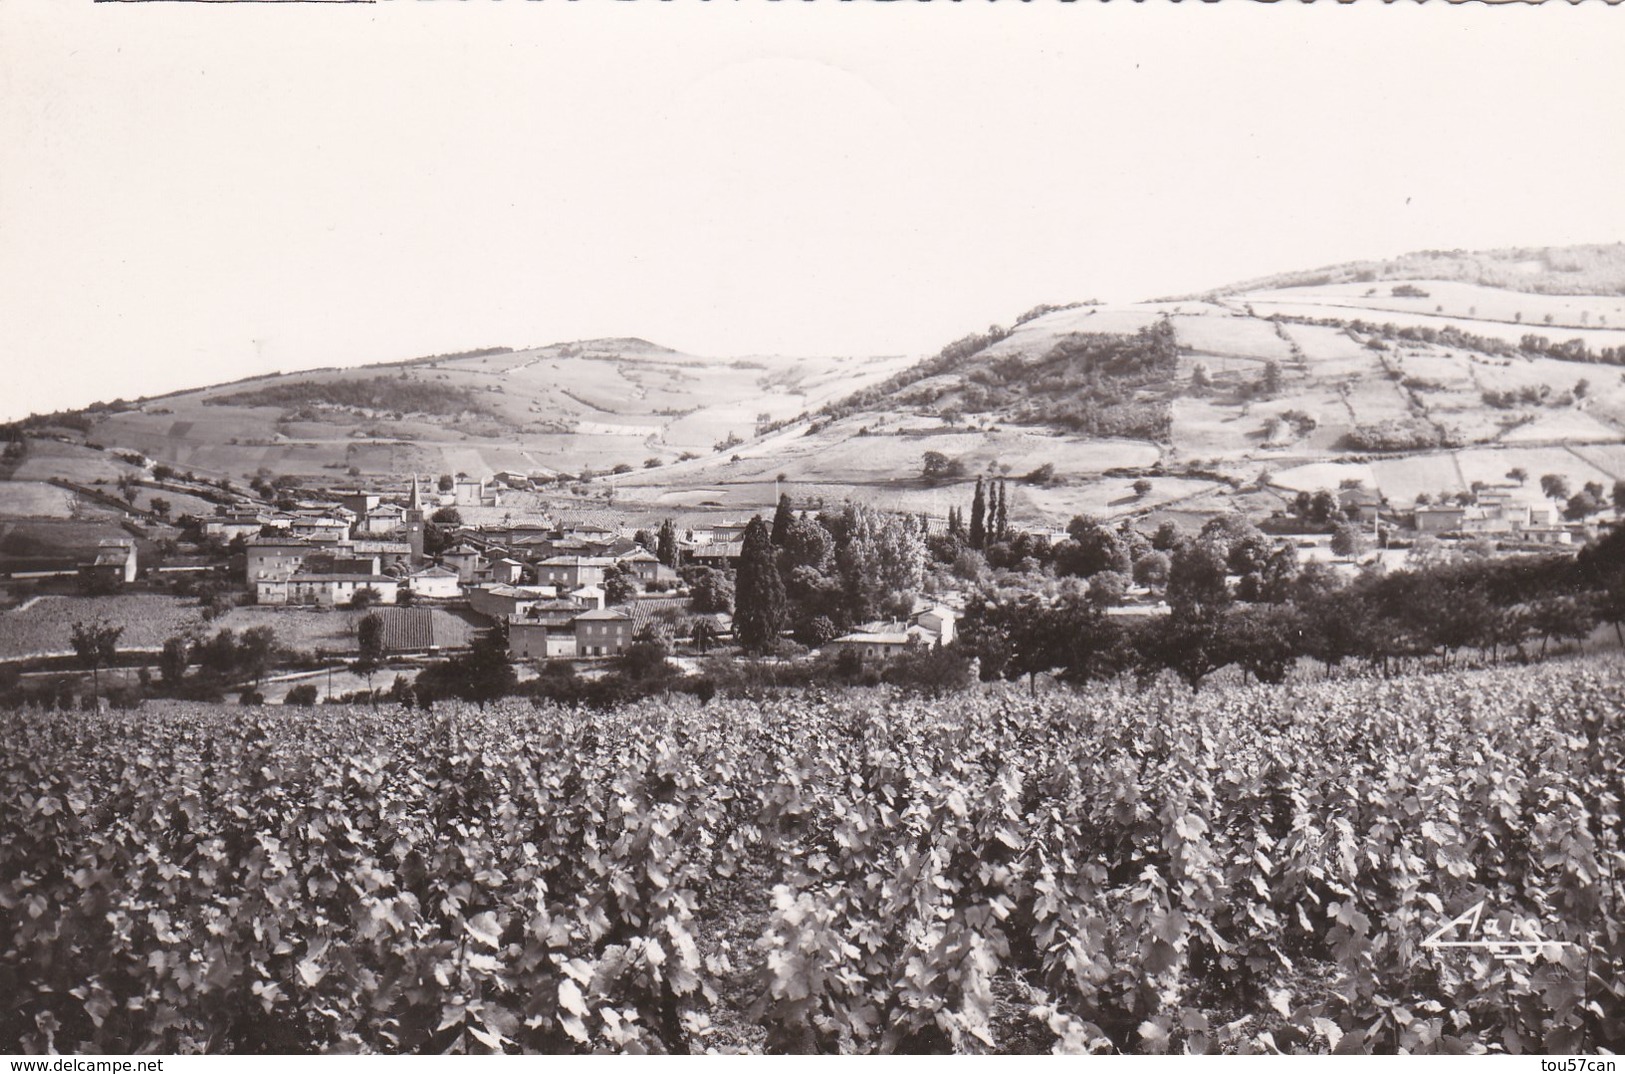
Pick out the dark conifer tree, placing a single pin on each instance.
(782, 517)
(666, 544)
(1002, 525)
(978, 516)
(759, 604)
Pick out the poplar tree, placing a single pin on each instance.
(759, 607)
(978, 516)
(782, 517)
(666, 544)
(1003, 523)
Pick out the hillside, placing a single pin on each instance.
(1552, 270)
(1419, 375)
(1235, 400)
(565, 407)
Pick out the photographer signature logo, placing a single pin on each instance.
(1510, 939)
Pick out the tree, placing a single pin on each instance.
(447, 516)
(1001, 524)
(1580, 506)
(1201, 379)
(645, 660)
(1151, 569)
(808, 544)
(1196, 582)
(160, 507)
(938, 467)
(620, 584)
(256, 650)
(710, 591)
(369, 637)
(303, 694)
(759, 605)
(1346, 540)
(1518, 474)
(666, 544)
(783, 515)
(172, 662)
(1108, 588)
(445, 483)
(1041, 475)
(978, 517)
(96, 644)
(1091, 547)
(1555, 486)
(364, 598)
(483, 674)
(1142, 488)
(1270, 384)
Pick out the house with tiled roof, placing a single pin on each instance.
(435, 582)
(334, 590)
(572, 571)
(500, 601)
(603, 632)
(546, 631)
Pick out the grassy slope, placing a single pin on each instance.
(601, 403)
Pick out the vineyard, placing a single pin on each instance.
(1242, 870)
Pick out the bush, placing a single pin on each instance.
(303, 694)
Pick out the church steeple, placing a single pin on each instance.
(414, 523)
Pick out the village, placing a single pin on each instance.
(442, 562)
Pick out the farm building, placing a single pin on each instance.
(333, 590)
(114, 563)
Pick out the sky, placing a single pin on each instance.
(194, 193)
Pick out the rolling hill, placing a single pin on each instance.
(1417, 375)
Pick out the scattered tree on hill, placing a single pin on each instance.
(1270, 383)
(1041, 475)
(1555, 486)
(160, 507)
(759, 592)
(1142, 488)
(1518, 474)
(939, 467)
(96, 644)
